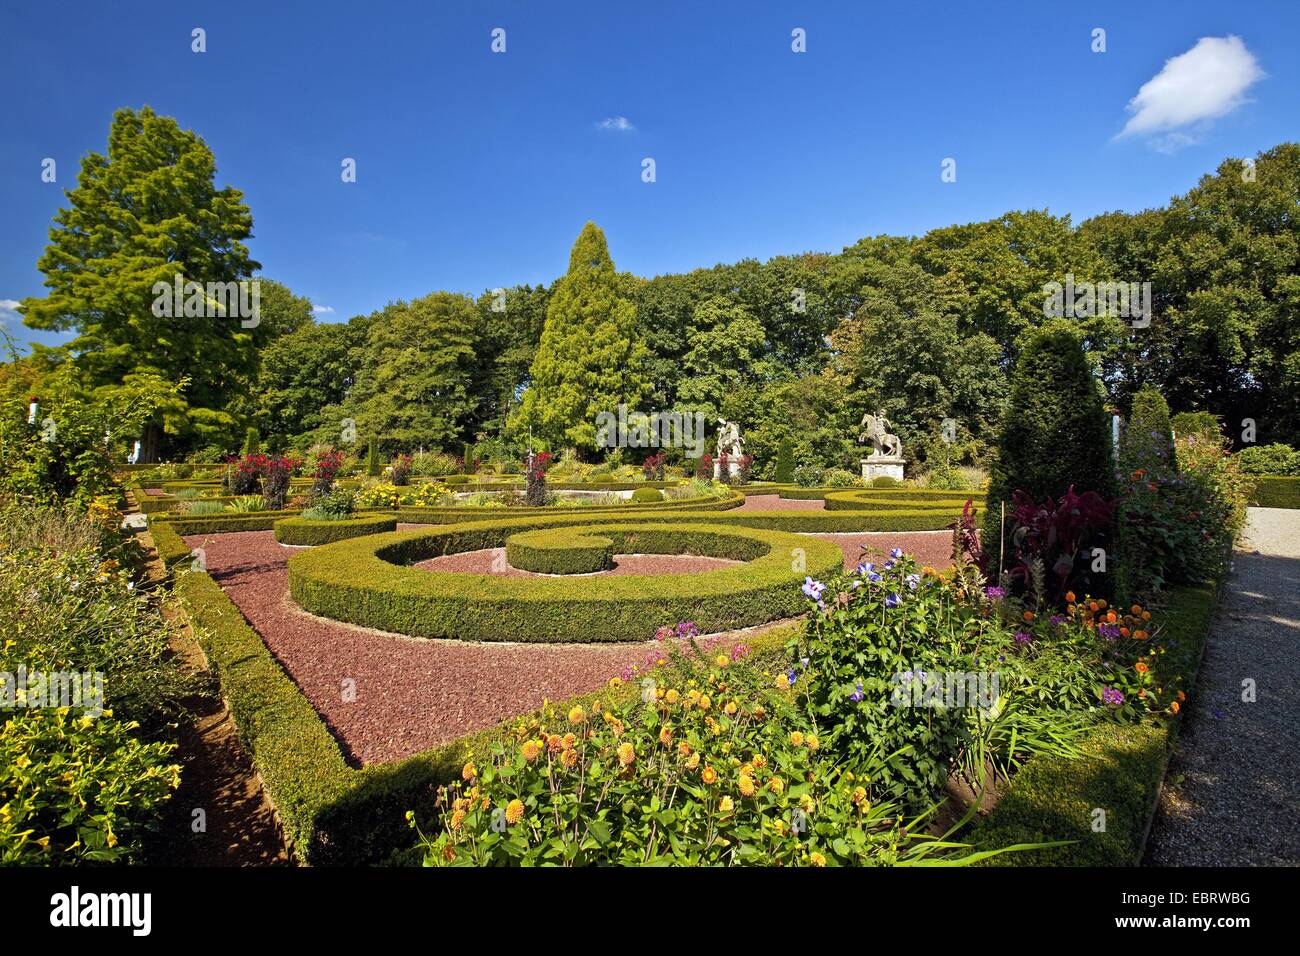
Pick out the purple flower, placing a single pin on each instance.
(995, 594)
(857, 696)
(1109, 632)
(813, 589)
(913, 580)
(873, 577)
(1024, 639)
(892, 600)
(866, 567)
(687, 629)
(663, 633)
(792, 675)
(1111, 696)
(739, 652)
(1058, 619)
(896, 553)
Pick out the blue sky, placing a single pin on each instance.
(477, 170)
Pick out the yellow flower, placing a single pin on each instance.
(760, 761)
(725, 805)
(684, 749)
(672, 696)
(781, 681)
(816, 859)
(666, 736)
(730, 709)
(796, 738)
(569, 758)
(807, 803)
(709, 775)
(859, 794)
(569, 742)
(626, 754)
(514, 811)
(776, 785)
(615, 681)
(721, 660)
(577, 716)
(457, 818)
(693, 761)
(532, 750)
(812, 742)
(469, 771)
(746, 784)
(760, 711)
(705, 703)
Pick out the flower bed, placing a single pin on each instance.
(301, 531)
(364, 582)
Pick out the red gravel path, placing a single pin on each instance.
(777, 503)
(928, 547)
(493, 561)
(413, 693)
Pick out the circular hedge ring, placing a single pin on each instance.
(302, 531)
(559, 551)
(369, 582)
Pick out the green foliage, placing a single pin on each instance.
(560, 551)
(1055, 434)
(808, 475)
(1277, 460)
(1153, 524)
(308, 529)
(590, 356)
(715, 770)
(107, 250)
(1275, 492)
(1119, 766)
(1146, 441)
(784, 471)
(252, 442)
(1201, 424)
(78, 789)
(647, 495)
(373, 467)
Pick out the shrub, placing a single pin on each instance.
(947, 478)
(536, 495)
(1051, 545)
(839, 478)
(784, 472)
(252, 442)
(435, 464)
(1276, 460)
(653, 467)
(276, 472)
(1054, 434)
(712, 769)
(372, 459)
(305, 531)
(400, 473)
(457, 479)
(1275, 492)
(246, 504)
(78, 789)
(1203, 425)
(334, 506)
(808, 475)
(559, 551)
(646, 495)
(1215, 494)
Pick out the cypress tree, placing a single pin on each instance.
(1055, 431)
(785, 461)
(372, 459)
(252, 442)
(590, 357)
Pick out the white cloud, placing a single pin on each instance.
(619, 124)
(321, 309)
(1193, 88)
(9, 311)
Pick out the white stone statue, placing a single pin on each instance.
(729, 440)
(875, 432)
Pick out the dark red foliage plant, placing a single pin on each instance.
(1053, 541)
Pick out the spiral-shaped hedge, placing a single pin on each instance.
(369, 582)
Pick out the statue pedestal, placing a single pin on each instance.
(882, 466)
(733, 469)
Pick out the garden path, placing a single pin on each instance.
(1231, 795)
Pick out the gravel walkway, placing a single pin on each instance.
(777, 503)
(1237, 804)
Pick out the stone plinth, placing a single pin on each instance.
(882, 466)
(733, 469)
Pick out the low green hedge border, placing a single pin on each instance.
(300, 531)
(1276, 492)
(1052, 798)
(365, 582)
(560, 551)
(867, 499)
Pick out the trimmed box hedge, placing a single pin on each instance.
(367, 582)
(560, 551)
(1276, 492)
(303, 532)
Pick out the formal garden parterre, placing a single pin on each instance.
(473, 634)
